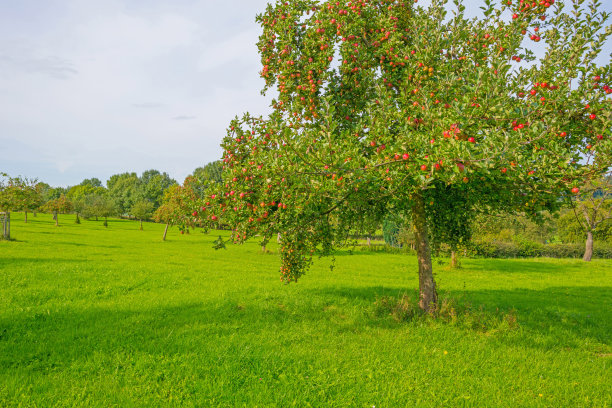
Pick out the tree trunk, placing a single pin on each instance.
(77, 219)
(141, 225)
(369, 241)
(105, 222)
(427, 286)
(278, 238)
(455, 260)
(165, 231)
(26, 216)
(588, 252)
(34, 213)
(56, 219)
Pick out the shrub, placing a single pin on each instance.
(529, 249)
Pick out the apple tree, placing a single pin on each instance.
(60, 205)
(142, 210)
(387, 106)
(592, 210)
(178, 206)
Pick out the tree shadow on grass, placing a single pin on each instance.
(44, 339)
(537, 265)
(552, 316)
(41, 339)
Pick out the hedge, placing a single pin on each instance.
(529, 249)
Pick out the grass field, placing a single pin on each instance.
(94, 316)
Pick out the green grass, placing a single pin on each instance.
(94, 316)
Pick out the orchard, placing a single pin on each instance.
(394, 107)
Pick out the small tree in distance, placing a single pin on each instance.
(142, 210)
(60, 205)
(177, 206)
(592, 209)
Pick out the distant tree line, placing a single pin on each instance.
(124, 195)
(587, 219)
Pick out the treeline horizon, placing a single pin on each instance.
(155, 196)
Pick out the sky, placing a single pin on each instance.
(95, 88)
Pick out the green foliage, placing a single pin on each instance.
(18, 193)
(153, 186)
(60, 205)
(208, 176)
(178, 205)
(219, 243)
(90, 317)
(78, 193)
(99, 205)
(127, 188)
(51, 193)
(450, 213)
(391, 227)
(94, 182)
(142, 210)
(592, 210)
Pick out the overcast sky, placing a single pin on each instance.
(93, 88)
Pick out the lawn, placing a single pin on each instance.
(94, 316)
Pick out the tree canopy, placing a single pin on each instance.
(389, 106)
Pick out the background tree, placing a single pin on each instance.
(125, 190)
(208, 176)
(30, 196)
(380, 102)
(51, 193)
(94, 182)
(153, 185)
(178, 206)
(142, 210)
(16, 193)
(60, 205)
(78, 195)
(592, 210)
(104, 206)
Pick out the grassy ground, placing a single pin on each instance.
(94, 316)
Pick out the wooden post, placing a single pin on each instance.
(6, 225)
(165, 231)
